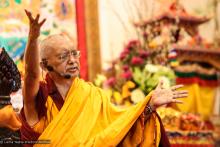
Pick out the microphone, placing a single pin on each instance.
(66, 76)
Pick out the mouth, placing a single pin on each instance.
(73, 69)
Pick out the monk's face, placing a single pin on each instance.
(63, 57)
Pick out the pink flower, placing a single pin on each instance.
(126, 51)
(143, 54)
(133, 44)
(137, 61)
(111, 82)
(124, 54)
(127, 75)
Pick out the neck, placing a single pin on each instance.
(63, 85)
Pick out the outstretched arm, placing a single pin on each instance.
(32, 68)
(162, 97)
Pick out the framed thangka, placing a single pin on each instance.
(60, 15)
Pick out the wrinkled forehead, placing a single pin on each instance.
(54, 45)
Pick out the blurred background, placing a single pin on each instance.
(127, 46)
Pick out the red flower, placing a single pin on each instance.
(125, 67)
(143, 53)
(127, 75)
(111, 82)
(133, 44)
(126, 51)
(137, 61)
(124, 54)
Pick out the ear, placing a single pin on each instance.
(43, 66)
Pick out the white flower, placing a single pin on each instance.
(137, 95)
(151, 68)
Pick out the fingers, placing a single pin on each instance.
(176, 101)
(29, 15)
(181, 91)
(160, 85)
(173, 88)
(42, 22)
(37, 17)
(180, 94)
(173, 101)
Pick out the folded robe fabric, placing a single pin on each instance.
(87, 118)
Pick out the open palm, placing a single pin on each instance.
(163, 96)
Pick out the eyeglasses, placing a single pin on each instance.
(65, 56)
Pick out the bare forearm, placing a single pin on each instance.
(31, 58)
(32, 71)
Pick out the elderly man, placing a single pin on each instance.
(68, 111)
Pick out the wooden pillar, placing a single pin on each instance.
(92, 38)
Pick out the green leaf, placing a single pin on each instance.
(137, 75)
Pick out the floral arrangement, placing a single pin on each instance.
(145, 61)
(133, 75)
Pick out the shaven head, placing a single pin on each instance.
(53, 49)
(51, 43)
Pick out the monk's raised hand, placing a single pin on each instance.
(162, 96)
(34, 24)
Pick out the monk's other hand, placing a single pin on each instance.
(162, 96)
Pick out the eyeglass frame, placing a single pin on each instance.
(44, 60)
(65, 56)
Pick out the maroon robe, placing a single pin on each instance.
(46, 89)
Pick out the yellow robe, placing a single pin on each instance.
(87, 119)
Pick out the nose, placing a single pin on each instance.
(72, 59)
